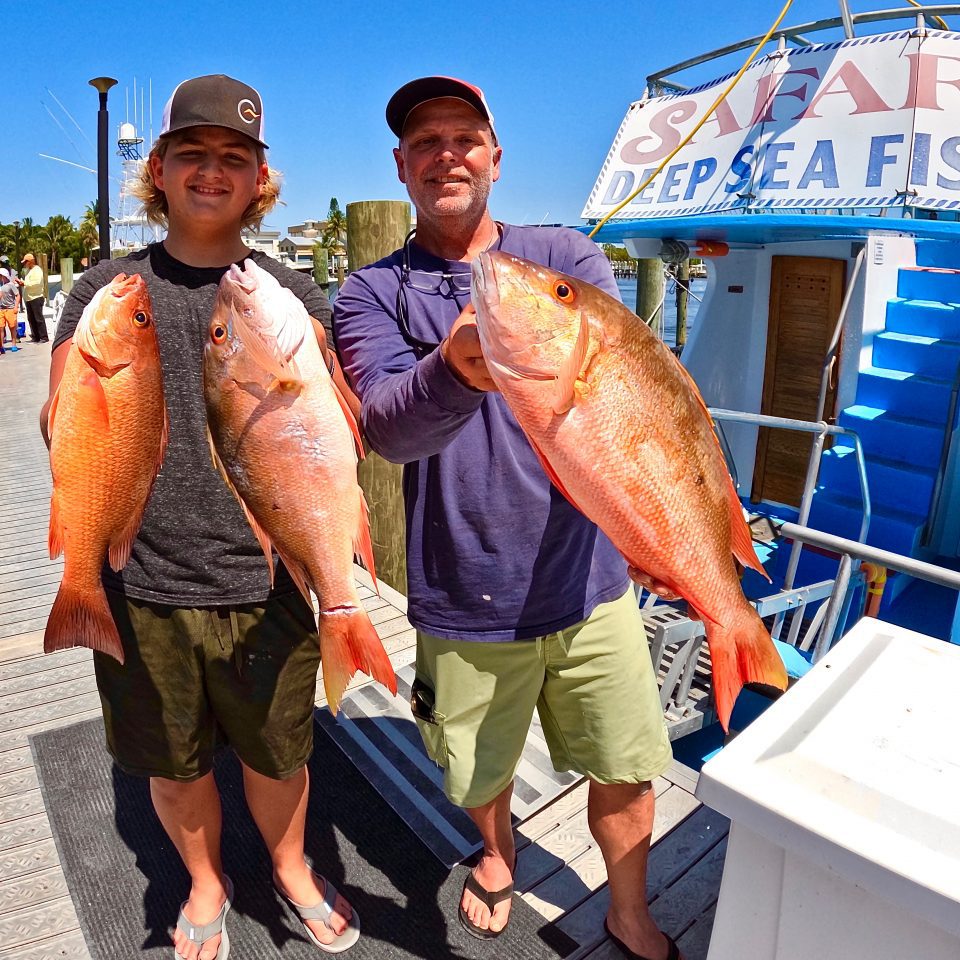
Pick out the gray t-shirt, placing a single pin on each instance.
(194, 547)
(9, 291)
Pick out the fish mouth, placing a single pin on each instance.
(484, 282)
(237, 275)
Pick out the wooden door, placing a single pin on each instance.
(805, 298)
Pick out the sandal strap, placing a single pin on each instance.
(201, 934)
(321, 911)
(490, 898)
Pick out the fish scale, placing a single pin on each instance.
(108, 433)
(622, 431)
(282, 439)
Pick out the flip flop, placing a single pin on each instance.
(323, 911)
(490, 899)
(673, 951)
(200, 935)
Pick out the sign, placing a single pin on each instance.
(862, 123)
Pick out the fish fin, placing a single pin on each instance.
(55, 532)
(269, 356)
(164, 438)
(91, 389)
(740, 540)
(741, 652)
(299, 575)
(99, 366)
(82, 618)
(349, 643)
(52, 409)
(362, 542)
(552, 475)
(566, 389)
(351, 421)
(263, 538)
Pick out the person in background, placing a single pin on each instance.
(519, 601)
(9, 306)
(32, 284)
(212, 652)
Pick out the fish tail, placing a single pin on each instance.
(349, 642)
(741, 652)
(82, 618)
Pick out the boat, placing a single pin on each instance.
(827, 349)
(822, 194)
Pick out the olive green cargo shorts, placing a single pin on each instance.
(593, 686)
(195, 678)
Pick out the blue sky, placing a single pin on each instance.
(558, 76)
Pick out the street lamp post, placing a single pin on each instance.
(103, 84)
(16, 243)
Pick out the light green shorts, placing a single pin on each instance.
(593, 685)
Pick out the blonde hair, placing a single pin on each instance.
(154, 201)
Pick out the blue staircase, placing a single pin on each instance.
(900, 414)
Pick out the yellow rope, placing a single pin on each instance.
(939, 20)
(703, 120)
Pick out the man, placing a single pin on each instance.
(9, 306)
(211, 651)
(32, 284)
(518, 600)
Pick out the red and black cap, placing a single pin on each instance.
(412, 94)
(215, 101)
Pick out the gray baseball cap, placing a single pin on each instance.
(215, 101)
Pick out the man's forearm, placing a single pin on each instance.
(415, 414)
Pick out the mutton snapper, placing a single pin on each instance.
(281, 437)
(108, 432)
(623, 433)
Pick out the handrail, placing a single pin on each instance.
(831, 355)
(822, 430)
(815, 26)
(945, 446)
(859, 551)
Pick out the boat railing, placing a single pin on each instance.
(798, 36)
(830, 360)
(677, 643)
(936, 493)
(821, 430)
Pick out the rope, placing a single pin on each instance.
(703, 120)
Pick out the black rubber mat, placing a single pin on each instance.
(127, 881)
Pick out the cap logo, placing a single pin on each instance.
(247, 111)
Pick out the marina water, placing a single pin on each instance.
(628, 293)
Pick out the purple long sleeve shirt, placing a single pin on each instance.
(494, 551)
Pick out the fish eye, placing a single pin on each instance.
(218, 332)
(564, 292)
(141, 319)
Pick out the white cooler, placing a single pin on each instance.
(844, 798)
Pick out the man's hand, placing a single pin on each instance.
(654, 586)
(462, 354)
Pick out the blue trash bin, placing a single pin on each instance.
(21, 328)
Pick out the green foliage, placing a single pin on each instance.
(55, 239)
(335, 229)
(616, 252)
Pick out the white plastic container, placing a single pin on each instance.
(844, 799)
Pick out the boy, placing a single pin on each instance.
(205, 638)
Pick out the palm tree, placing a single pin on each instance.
(334, 235)
(89, 229)
(57, 232)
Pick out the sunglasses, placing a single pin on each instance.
(434, 283)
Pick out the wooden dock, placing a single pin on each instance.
(560, 870)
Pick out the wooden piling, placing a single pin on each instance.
(650, 289)
(375, 228)
(683, 297)
(66, 274)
